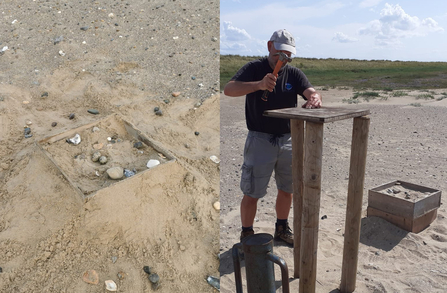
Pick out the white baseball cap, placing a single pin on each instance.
(283, 41)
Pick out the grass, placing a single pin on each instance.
(416, 104)
(380, 75)
(425, 96)
(399, 94)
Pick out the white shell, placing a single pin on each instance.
(110, 285)
(215, 159)
(76, 139)
(152, 163)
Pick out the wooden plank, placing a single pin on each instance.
(354, 206)
(313, 150)
(390, 204)
(408, 224)
(297, 132)
(321, 115)
(427, 204)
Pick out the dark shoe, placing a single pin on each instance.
(284, 233)
(246, 233)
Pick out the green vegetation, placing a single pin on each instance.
(416, 104)
(399, 94)
(425, 96)
(360, 74)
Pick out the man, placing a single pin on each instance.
(268, 146)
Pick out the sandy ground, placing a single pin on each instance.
(405, 143)
(60, 214)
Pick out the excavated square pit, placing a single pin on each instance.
(114, 138)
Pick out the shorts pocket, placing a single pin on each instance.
(247, 179)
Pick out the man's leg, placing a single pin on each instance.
(283, 204)
(248, 210)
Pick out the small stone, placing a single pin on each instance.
(176, 94)
(44, 95)
(152, 163)
(138, 145)
(96, 156)
(98, 146)
(103, 160)
(84, 28)
(198, 104)
(95, 129)
(324, 217)
(27, 132)
(147, 270)
(121, 275)
(214, 39)
(91, 277)
(71, 116)
(216, 206)
(115, 173)
(75, 140)
(114, 259)
(182, 248)
(129, 173)
(28, 122)
(58, 40)
(53, 124)
(110, 285)
(196, 133)
(193, 77)
(93, 111)
(154, 278)
(166, 101)
(156, 109)
(25, 102)
(159, 113)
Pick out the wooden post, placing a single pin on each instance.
(297, 132)
(313, 149)
(354, 205)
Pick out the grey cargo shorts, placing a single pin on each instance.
(263, 154)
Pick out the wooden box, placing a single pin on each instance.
(409, 206)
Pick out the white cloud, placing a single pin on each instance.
(342, 38)
(394, 24)
(233, 33)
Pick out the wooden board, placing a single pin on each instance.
(408, 224)
(321, 115)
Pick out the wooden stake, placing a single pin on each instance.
(354, 205)
(297, 132)
(313, 150)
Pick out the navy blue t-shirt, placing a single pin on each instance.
(290, 83)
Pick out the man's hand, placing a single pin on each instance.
(268, 82)
(313, 99)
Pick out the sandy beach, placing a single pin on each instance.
(70, 66)
(405, 143)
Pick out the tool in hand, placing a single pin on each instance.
(283, 59)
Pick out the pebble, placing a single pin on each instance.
(147, 270)
(53, 124)
(159, 113)
(95, 129)
(215, 159)
(28, 122)
(84, 28)
(129, 173)
(93, 111)
(103, 160)
(196, 133)
(156, 109)
(176, 94)
(324, 217)
(214, 282)
(44, 95)
(166, 101)
(154, 278)
(214, 39)
(114, 259)
(216, 206)
(96, 156)
(152, 163)
(75, 140)
(110, 285)
(71, 116)
(121, 275)
(138, 145)
(91, 277)
(1, 270)
(58, 39)
(27, 132)
(115, 173)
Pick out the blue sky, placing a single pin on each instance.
(370, 29)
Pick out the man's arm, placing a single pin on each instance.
(240, 88)
(313, 99)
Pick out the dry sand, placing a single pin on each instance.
(121, 58)
(405, 143)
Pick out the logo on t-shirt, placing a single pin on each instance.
(288, 86)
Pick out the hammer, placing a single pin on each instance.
(283, 59)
